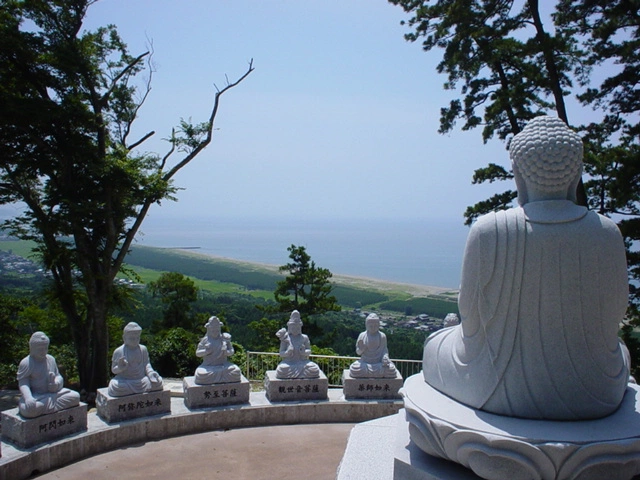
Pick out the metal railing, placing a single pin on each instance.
(332, 366)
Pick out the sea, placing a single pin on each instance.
(413, 251)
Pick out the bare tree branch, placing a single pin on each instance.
(142, 101)
(125, 70)
(142, 140)
(214, 112)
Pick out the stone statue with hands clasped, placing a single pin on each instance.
(214, 348)
(130, 364)
(40, 383)
(543, 291)
(295, 349)
(374, 356)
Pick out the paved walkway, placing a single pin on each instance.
(262, 453)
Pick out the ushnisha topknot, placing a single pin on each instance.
(38, 338)
(547, 153)
(132, 327)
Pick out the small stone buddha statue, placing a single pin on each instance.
(374, 357)
(295, 349)
(214, 348)
(130, 364)
(543, 291)
(40, 383)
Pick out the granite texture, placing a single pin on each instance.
(117, 409)
(29, 432)
(371, 388)
(218, 394)
(497, 446)
(295, 389)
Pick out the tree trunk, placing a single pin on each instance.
(554, 81)
(98, 368)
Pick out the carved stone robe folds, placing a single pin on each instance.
(134, 379)
(295, 362)
(544, 288)
(215, 367)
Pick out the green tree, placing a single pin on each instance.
(510, 67)
(265, 339)
(177, 293)
(69, 99)
(306, 288)
(173, 352)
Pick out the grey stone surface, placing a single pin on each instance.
(371, 345)
(214, 349)
(498, 446)
(371, 388)
(117, 409)
(382, 449)
(28, 432)
(40, 383)
(295, 349)
(101, 436)
(543, 291)
(215, 395)
(130, 364)
(369, 452)
(295, 389)
(533, 382)
(411, 463)
(260, 453)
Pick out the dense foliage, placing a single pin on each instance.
(306, 288)
(177, 293)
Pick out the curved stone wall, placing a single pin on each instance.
(102, 437)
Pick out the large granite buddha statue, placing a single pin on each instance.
(543, 292)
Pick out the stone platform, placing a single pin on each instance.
(371, 388)
(498, 447)
(381, 448)
(295, 389)
(117, 409)
(215, 395)
(100, 436)
(28, 432)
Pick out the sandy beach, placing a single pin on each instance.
(345, 280)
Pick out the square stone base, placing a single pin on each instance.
(371, 388)
(215, 395)
(28, 432)
(293, 389)
(116, 409)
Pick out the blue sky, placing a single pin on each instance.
(339, 118)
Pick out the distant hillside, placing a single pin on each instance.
(260, 279)
(351, 292)
(252, 276)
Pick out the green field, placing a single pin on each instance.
(220, 275)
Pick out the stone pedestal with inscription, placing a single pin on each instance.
(216, 394)
(28, 432)
(293, 389)
(116, 409)
(371, 388)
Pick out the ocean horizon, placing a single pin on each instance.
(421, 252)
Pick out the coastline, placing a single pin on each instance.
(339, 279)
